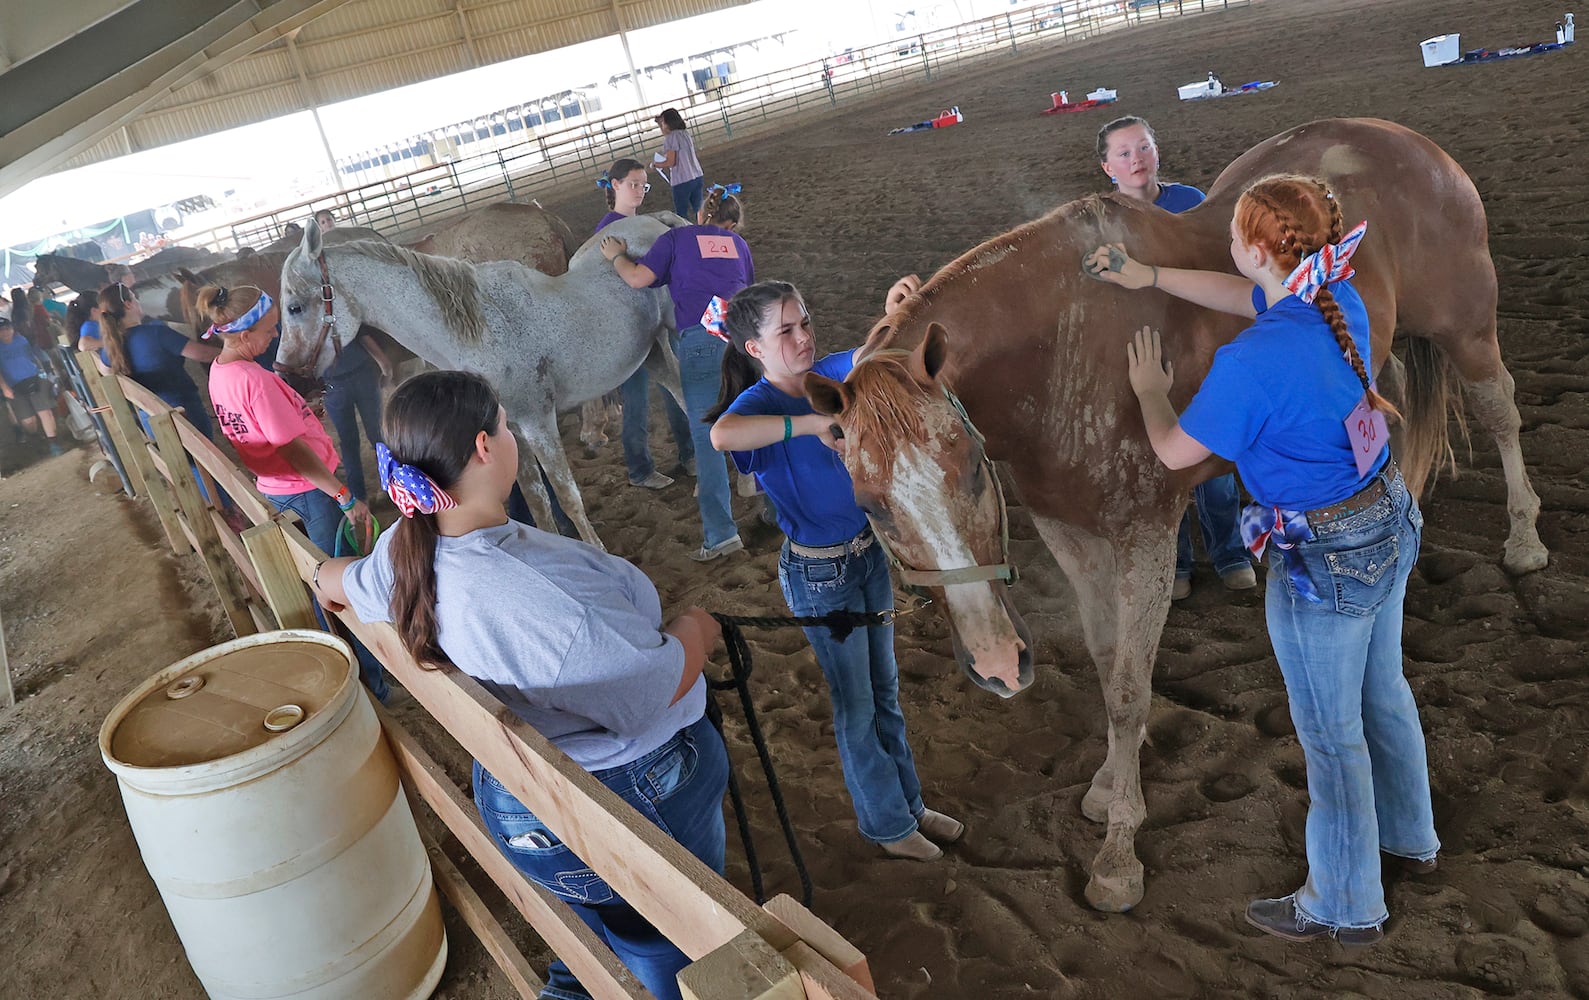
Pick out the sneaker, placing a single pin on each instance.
(914, 848)
(1280, 918)
(655, 481)
(684, 469)
(1182, 589)
(55, 448)
(1240, 578)
(708, 553)
(941, 828)
(1412, 866)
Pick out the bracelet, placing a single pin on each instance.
(344, 499)
(788, 428)
(314, 580)
(1155, 274)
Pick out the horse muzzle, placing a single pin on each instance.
(990, 659)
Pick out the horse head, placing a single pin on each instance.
(934, 499)
(313, 309)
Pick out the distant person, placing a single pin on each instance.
(325, 220)
(25, 385)
(152, 354)
(82, 322)
(626, 187)
(293, 231)
(1128, 151)
(682, 168)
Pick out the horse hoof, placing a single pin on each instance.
(1528, 558)
(1114, 893)
(1095, 804)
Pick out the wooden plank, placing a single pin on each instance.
(826, 941)
(99, 400)
(598, 969)
(278, 577)
(223, 571)
(745, 968)
(478, 916)
(132, 445)
(820, 979)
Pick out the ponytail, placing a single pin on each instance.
(413, 602)
(113, 301)
(742, 322)
(740, 372)
(721, 206)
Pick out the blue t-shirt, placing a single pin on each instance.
(608, 219)
(154, 353)
(1177, 198)
(696, 263)
(90, 328)
(1276, 399)
(16, 360)
(806, 479)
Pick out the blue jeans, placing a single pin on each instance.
(636, 393)
(350, 398)
(679, 787)
(1219, 512)
(322, 519)
(863, 683)
(701, 370)
(1368, 778)
(688, 197)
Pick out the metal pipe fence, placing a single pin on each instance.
(539, 159)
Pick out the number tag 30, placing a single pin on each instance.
(1368, 432)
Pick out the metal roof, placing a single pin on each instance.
(88, 80)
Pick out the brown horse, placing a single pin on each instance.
(1037, 353)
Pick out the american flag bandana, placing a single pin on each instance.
(410, 488)
(246, 320)
(1327, 264)
(1261, 526)
(714, 318)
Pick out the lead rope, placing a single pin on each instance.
(840, 624)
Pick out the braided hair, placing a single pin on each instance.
(1292, 216)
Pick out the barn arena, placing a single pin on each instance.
(91, 603)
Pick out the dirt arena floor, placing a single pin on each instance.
(92, 601)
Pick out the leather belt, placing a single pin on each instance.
(854, 547)
(1359, 501)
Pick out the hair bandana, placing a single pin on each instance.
(246, 320)
(1262, 525)
(1329, 263)
(726, 189)
(408, 487)
(715, 319)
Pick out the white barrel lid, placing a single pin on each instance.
(228, 699)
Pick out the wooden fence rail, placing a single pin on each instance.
(740, 951)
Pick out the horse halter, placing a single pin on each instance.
(916, 578)
(328, 322)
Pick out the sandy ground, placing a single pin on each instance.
(92, 601)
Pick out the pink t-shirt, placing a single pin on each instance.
(259, 413)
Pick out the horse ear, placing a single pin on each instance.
(933, 353)
(311, 240)
(827, 396)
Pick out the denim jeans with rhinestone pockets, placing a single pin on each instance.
(863, 683)
(1368, 773)
(679, 787)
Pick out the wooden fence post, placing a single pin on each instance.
(225, 576)
(279, 581)
(128, 436)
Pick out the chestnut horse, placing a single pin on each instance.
(1036, 352)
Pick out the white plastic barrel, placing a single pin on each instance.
(268, 811)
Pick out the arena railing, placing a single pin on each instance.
(739, 950)
(518, 165)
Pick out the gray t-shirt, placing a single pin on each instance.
(566, 636)
(686, 167)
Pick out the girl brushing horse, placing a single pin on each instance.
(1290, 402)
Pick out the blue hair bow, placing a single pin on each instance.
(604, 182)
(726, 188)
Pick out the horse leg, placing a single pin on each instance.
(663, 365)
(1123, 596)
(542, 449)
(593, 425)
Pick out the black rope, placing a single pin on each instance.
(840, 624)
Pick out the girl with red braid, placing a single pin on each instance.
(1290, 402)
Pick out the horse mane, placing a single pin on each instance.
(1082, 219)
(453, 284)
(883, 409)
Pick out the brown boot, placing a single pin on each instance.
(914, 847)
(940, 828)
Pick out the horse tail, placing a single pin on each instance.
(1433, 395)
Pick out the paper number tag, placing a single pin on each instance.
(1368, 432)
(720, 247)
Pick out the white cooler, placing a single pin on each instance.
(1192, 91)
(1442, 49)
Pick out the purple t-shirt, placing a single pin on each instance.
(696, 263)
(609, 218)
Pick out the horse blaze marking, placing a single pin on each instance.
(717, 246)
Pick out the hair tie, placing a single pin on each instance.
(1327, 264)
(244, 321)
(222, 293)
(604, 182)
(410, 489)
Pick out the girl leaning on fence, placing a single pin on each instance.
(569, 638)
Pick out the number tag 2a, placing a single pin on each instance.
(1369, 434)
(719, 247)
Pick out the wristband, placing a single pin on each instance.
(1155, 274)
(344, 499)
(788, 428)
